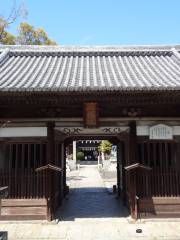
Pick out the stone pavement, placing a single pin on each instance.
(89, 198)
(109, 176)
(91, 212)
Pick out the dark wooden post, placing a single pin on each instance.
(64, 169)
(123, 153)
(132, 174)
(51, 142)
(123, 156)
(50, 159)
(133, 143)
(118, 169)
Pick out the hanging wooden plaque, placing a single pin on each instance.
(161, 131)
(90, 114)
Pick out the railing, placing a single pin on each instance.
(23, 183)
(159, 183)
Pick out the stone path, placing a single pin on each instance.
(91, 212)
(89, 198)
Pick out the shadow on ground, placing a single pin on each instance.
(91, 203)
(76, 178)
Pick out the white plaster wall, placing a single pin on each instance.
(23, 132)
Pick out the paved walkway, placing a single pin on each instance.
(91, 212)
(89, 198)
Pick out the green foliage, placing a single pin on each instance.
(105, 146)
(80, 156)
(7, 38)
(27, 35)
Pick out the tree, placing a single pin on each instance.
(7, 38)
(5, 22)
(80, 156)
(105, 147)
(28, 35)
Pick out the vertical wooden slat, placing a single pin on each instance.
(27, 171)
(160, 155)
(34, 166)
(35, 156)
(154, 188)
(143, 159)
(22, 169)
(177, 183)
(170, 168)
(166, 162)
(178, 180)
(148, 153)
(29, 156)
(22, 155)
(164, 167)
(38, 173)
(41, 154)
(37, 180)
(166, 172)
(19, 176)
(10, 169)
(16, 162)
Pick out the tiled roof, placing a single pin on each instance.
(58, 69)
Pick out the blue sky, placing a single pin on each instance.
(103, 22)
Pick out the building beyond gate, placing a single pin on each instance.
(50, 96)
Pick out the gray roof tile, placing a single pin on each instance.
(37, 68)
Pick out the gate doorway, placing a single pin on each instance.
(96, 187)
(36, 172)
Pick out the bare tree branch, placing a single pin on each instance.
(15, 12)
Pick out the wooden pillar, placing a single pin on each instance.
(63, 159)
(118, 169)
(132, 143)
(132, 174)
(123, 154)
(50, 177)
(122, 177)
(51, 142)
